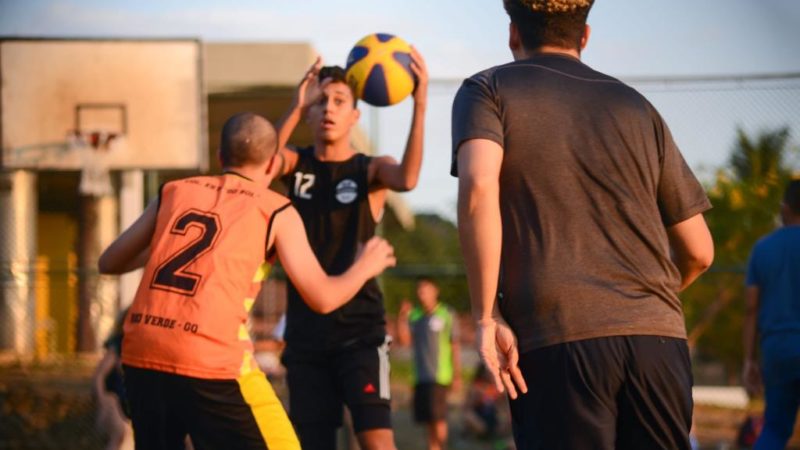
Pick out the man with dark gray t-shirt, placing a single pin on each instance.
(573, 194)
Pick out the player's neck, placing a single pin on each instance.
(251, 173)
(791, 221)
(333, 151)
(546, 50)
(432, 308)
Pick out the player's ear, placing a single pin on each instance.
(273, 166)
(356, 115)
(585, 39)
(514, 39)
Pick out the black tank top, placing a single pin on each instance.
(332, 199)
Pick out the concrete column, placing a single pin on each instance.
(131, 206)
(97, 295)
(18, 209)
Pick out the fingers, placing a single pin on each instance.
(513, 370)
(382, 250)
(312, 71)
(509, 385)
(493, 368)
(418, 63)
(325, 83)
(416, 57)
(489, 359)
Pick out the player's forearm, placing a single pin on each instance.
(689, 272)
(480, 233)
(692, 248)
(403, 333)
(333, 292)
(749, 330)
(287, 124)
(750, 326)
(412, 157)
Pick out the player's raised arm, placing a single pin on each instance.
(324, 293)
(385, 171)
(131, 249)
(308, 90)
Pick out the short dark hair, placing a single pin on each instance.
(792, 196)
(427, 279)
(337, 75)
(559, 23)
(247, 139)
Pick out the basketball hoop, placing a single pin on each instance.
(95, 149)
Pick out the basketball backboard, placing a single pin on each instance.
(145, 93)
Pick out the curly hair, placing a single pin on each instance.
(559, 23)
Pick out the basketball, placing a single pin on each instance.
(379, 69)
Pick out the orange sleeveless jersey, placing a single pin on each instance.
(206, 265)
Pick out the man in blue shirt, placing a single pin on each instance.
(773, 314)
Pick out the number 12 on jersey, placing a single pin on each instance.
(302, 183)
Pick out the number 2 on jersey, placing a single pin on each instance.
(171, 274)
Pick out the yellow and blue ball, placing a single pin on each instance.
(379, 69)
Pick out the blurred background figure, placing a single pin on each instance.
(773, 315)
(113, 417)
(486, 414)
(432, 328)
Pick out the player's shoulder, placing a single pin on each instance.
(774, 240)
(446, 310)
(273, 200)
(188, 182)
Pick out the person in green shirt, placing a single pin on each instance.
(432, 328)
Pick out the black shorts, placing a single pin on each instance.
(233, 414)
(320, 384)
(621, 392)
(430, 402)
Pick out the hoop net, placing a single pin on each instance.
(95, 149)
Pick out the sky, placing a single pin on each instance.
(630, 39)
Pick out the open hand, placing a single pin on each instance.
(309, 89)
(497, 346)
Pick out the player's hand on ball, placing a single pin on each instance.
(420, 70)
(376, 255)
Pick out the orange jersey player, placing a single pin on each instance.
(187, 356)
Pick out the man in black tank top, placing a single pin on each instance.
(341, 358)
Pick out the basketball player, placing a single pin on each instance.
(573, 194)
(187, 356)
(341, 358)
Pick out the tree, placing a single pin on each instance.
(430, 249)
(746, 196)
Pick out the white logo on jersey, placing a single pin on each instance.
(436, 324)
(302, 183)
(346, 191)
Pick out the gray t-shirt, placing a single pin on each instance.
(590, 179)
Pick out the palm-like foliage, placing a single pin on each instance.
(746, 197)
